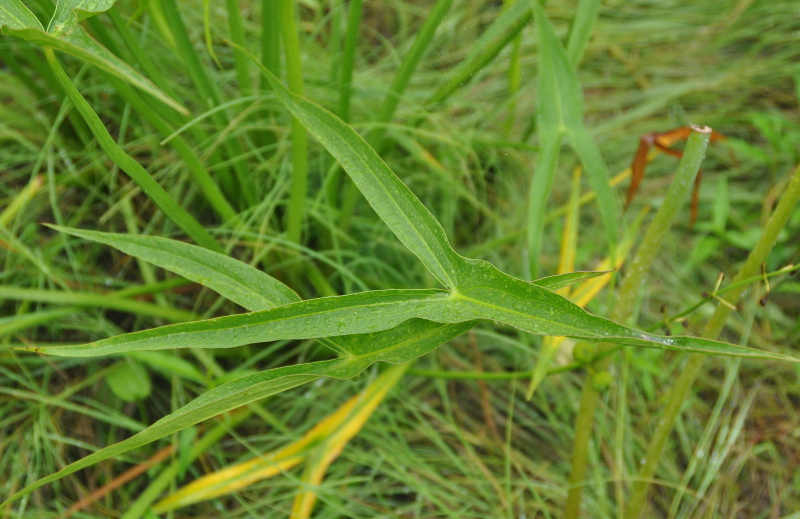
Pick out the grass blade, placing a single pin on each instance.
(237, 281)
(354, 12)
(581, 29)
(294, 72)
(504, 29)
(175, 315)
(560, 104)
(162, 199)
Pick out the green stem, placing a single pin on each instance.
(297, 196)
(125, 162)
(355, 9)
(629, 290)
(683, 385)
(237, 36)
(270, 40)
(211, 98)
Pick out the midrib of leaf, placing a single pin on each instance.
(486, 304)
(243, 329)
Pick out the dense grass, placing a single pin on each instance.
(466, 146)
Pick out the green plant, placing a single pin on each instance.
(379, 322)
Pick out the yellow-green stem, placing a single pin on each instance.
(645, 255)
(683, 385)
(297, 196)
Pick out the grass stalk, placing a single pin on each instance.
(270, 40)
(628, 293)
(125, 162)
(211, 98)
(377, 140)
(421, 44)
(354, 12)
(189, 156)
(581, 29)
(294, 72)
(241, 60)
(680, 391)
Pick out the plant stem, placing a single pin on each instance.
(211, 98)
(683, 385)
(294, 72)
(237, 37)
(355, 10)
(639, 267)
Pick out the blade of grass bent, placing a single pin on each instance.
(165, 202)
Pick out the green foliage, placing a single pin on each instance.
(429, 121)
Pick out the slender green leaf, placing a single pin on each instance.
(365, 312)
(504, 29)
(396, 205)
(152, 188)
(239, 282)
(560, 112)
(581, 29)
(489, 294)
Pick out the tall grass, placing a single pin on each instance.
(437, 112)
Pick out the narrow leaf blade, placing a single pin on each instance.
(237, 281)
(396, 205)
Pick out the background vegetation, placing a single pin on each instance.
(466, 145)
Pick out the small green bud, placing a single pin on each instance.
(602, 381)
(583, 352)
